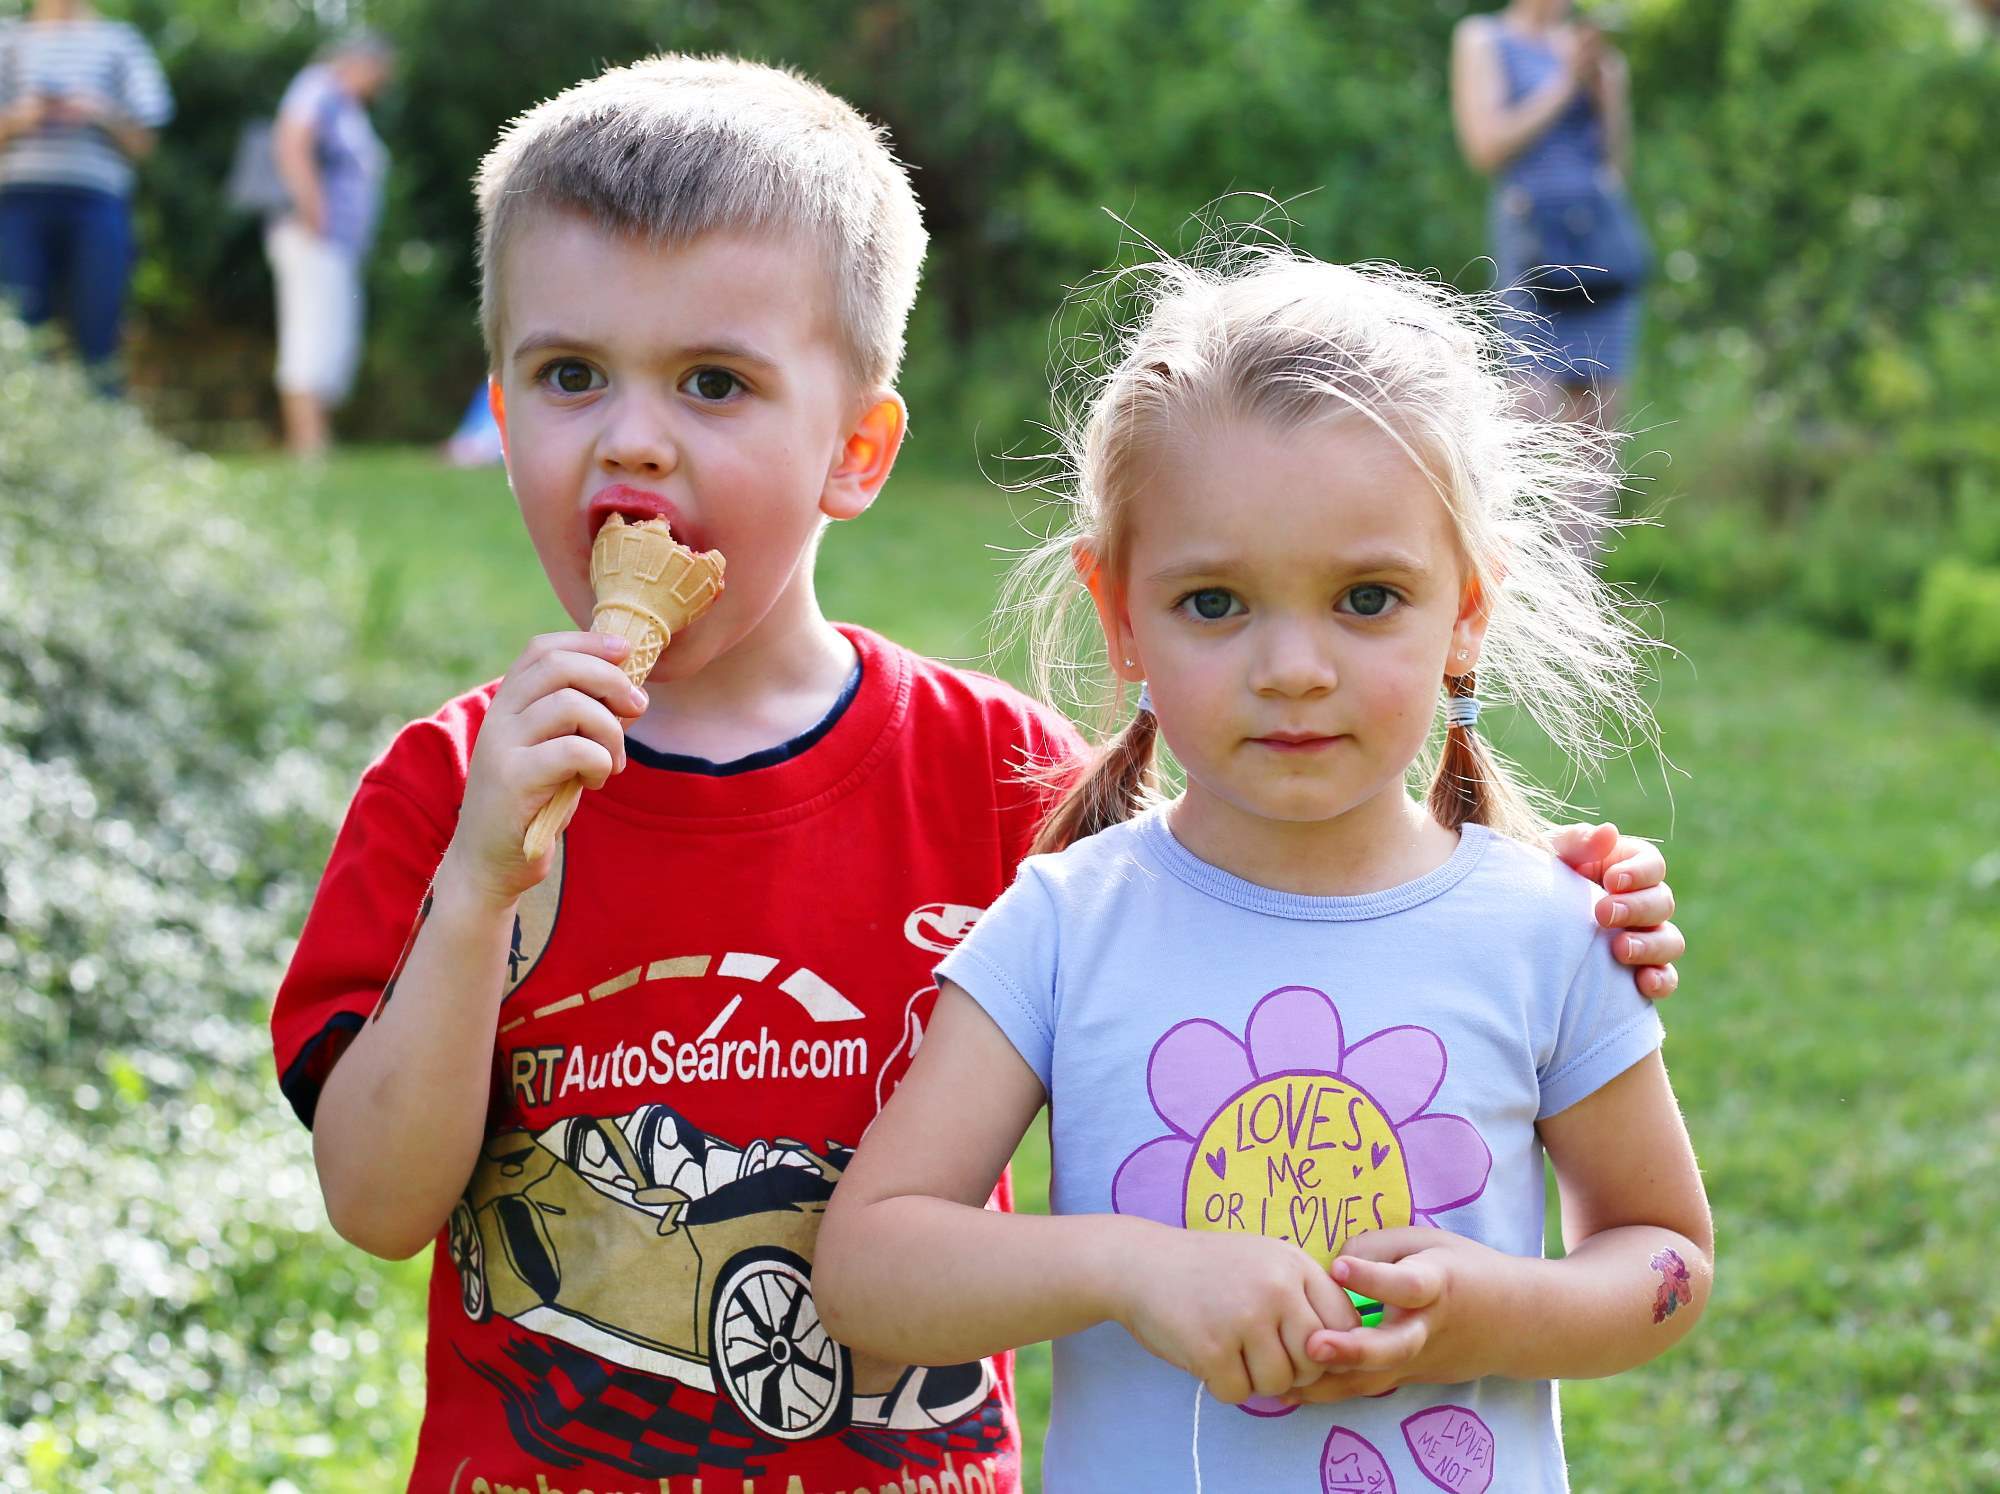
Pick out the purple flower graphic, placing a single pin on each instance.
(1291, 1132)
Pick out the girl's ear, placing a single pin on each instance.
(1112, 614)
(1468, 632)
(866, 458)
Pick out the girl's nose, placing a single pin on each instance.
(1291, 661)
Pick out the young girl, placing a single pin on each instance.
(1300, 1033)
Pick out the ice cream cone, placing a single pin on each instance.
(649, 587)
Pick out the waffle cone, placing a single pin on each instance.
(641, 569)
(640, 629)
(649, 586)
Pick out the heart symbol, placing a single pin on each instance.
(1217, 1160)
(1357, 1169)
(1376, 1153)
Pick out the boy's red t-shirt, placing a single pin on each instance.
(709, 999)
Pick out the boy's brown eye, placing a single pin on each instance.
(715, 383)
(572, 377)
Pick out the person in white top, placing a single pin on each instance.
(333, 165)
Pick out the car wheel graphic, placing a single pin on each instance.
(772, 1357)
(469, 1255)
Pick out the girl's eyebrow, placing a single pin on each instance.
(1373, 563)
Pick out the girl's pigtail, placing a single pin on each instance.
(1118, 784)
(1472, 784)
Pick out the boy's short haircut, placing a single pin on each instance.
(673, 147)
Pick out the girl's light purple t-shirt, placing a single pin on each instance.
(1221, 1055)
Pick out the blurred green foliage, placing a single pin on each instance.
(1818, 353)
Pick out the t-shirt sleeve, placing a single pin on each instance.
(363, 918)
(1605, 1027)
(146, 96)
(305, 98)
(1008, 965)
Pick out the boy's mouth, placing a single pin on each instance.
(635, 506)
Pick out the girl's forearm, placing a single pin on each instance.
(923, 1280)
(403, 1114)
(1622, 1297)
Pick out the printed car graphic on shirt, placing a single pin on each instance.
(658, 1247)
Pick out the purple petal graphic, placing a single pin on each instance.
(1448, 1162)
(1152, 1182)
(1194, 1069)
(1265, 1405)
(1295, 1027)
(1400, 1067)
(1453, 1447)
(1349, 1464)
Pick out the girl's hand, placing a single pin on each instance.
(1443, 1293)
(1633, 872)
(1235, 1311)
(556, 716)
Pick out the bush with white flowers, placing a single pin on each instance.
(175, 744)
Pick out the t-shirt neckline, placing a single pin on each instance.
(853, 743)
(1204, 877)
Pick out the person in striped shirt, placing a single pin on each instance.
(81, 100)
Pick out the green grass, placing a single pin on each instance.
(1835, 844)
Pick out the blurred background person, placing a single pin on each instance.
(80, 100)
(1541, 104)
(333, 165)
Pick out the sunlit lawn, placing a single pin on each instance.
(1836, 846)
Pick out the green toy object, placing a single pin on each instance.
(1368, 1307)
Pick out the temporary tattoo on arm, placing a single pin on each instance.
(1675, 1288)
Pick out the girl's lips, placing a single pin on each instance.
(1296, 743)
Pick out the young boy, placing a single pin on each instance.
(616, 1085)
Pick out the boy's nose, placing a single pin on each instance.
(637, 446)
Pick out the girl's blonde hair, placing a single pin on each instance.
(1257, 331)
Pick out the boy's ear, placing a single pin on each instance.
(1112, 615)
(866, 458)
(1469, 631)
(496, 401)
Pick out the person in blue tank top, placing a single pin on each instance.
(1306, 1031)
(1541, 104)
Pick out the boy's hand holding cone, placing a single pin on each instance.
(649, 587)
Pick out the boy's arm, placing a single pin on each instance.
(1636, 1279)
(401, 1118)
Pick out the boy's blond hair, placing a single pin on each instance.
(674, 147)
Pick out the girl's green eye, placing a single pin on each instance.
(1370, 601)
(1213, 604)
(572, 377)
(714, 383)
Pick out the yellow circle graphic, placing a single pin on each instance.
(1301, 1157)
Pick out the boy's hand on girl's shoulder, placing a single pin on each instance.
(1235, 1311)
(1440, 1326)
(1633, 873)
(559, 714)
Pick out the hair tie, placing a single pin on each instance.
(1462, 710)
(1146, 698)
